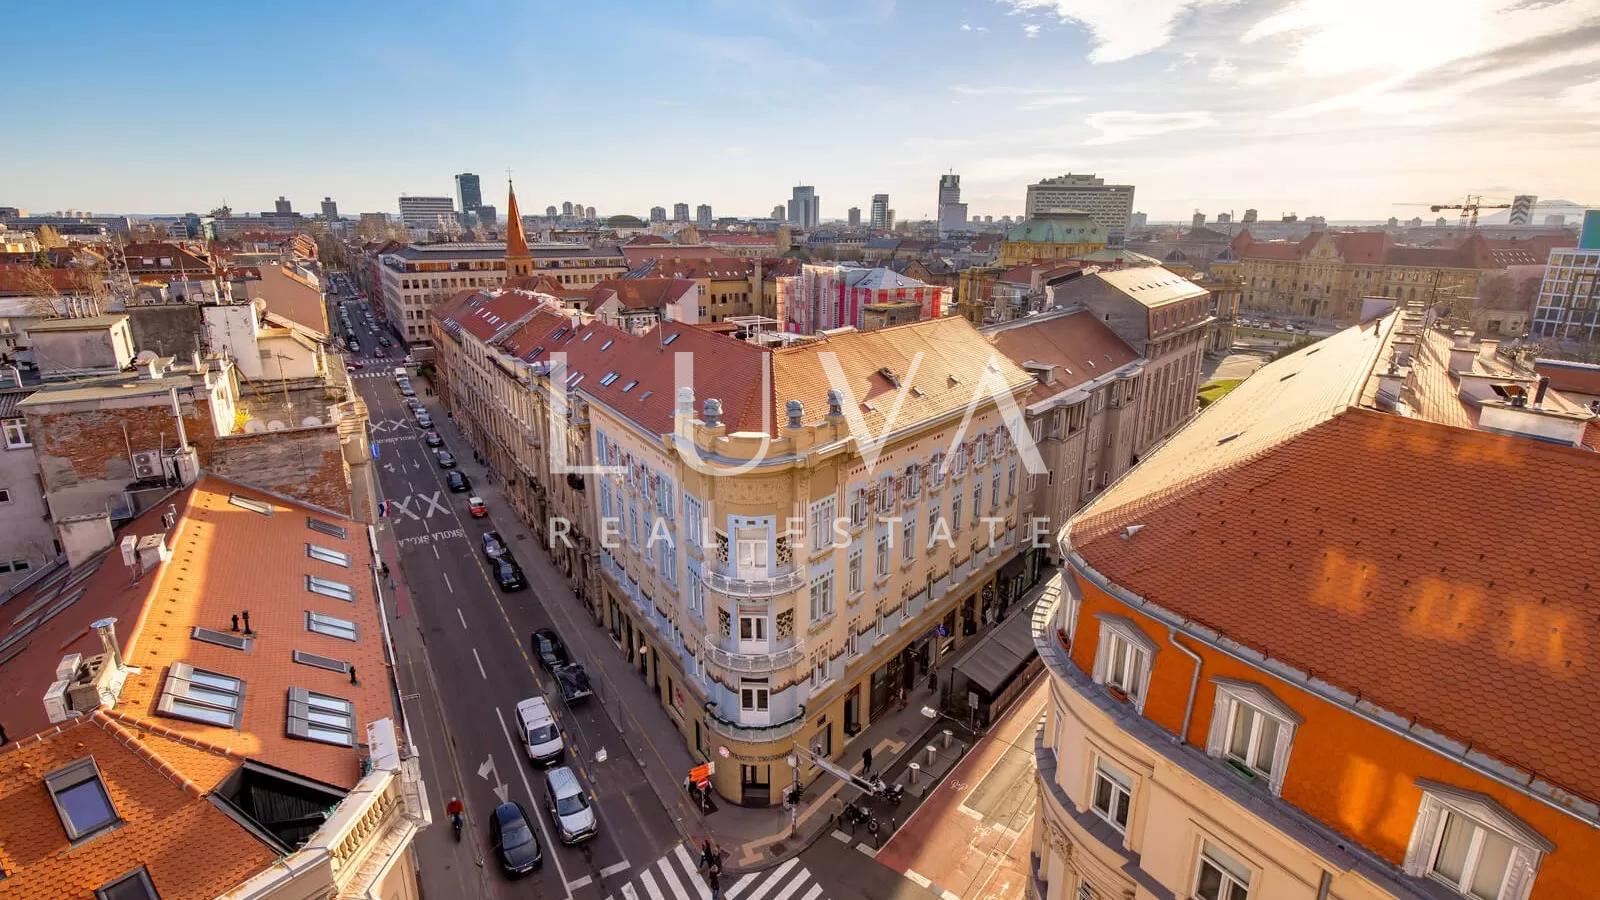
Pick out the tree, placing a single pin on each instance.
(64, 292)
(49, 238)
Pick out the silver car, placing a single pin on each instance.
(569, 806)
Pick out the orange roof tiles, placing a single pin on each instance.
(647, 293)
(1079, 346)
(516, 240)
(189, 847)
(1442, 573)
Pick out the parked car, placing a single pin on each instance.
(423, 419)
(508, 574)
(356, 364)
(493, 546)
(569, 806)
(551, 651)
(477, 508)
(432, 439)
(574, 682)
(406, 390)
(457, 482)
(355, 347)
(540, 734)
(447, 460)
(511, 835)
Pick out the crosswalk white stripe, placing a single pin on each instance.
(628, 893)
(670, 878)
(794, 885)
(814, 893)
(732, 893)
(692, 871)
(650, 885)
(773, 879)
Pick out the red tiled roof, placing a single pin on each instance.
(644, 240)
(25, 281)
(637, 255)
(1439, 572)
(647, 293)
(739, 240)
(713, 267)
(1079, 346)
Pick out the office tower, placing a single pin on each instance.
(425, 212)
(855, 217)
(1249, 216)
(330, 209)
(880, 212)
(702, 215)
(1138, 220)
(1522, 209)
(469, 194)
(658, 214)
(1198, 220)
(566, 208)
(952, 212)
(550, 211)
(805, 207)
(777, 213)
(1109, 205)
(283, 207)
(588, 212)
(680, 212)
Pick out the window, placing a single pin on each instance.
(327, 528)
(1220, 876)
(1472, 844)
(858, 507)
(1011, 480)
(977, 498)
(857, 576)
(319, 717)
(822, 596)
(994, 490)
(201, 696)
(754, 696)
(81, 799)
(1123, 660)
(220, 638)
(5, 496)
(135, 885)
(328, 556)
(1112, 794)
(753, 628)
(913, 481)
(881, 560)
(17, 434)
(908, 539)
(329, 588)
(821, 524)
(955, 512)
(697, 588)
(1251, 729)
(320, 661)
(886, 494)
(331, 626)
(250, 503)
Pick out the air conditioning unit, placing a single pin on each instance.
(183, 466)
(55, 702)
(147, 464)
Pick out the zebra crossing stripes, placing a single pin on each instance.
(676, 876)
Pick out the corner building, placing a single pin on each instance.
(1304, 650)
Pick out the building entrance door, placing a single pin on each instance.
(755, 785)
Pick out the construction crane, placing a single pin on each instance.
(1469, 209)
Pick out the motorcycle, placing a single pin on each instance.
(455, 824)
(893, 793)
(858, 815)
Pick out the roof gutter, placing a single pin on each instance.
(1194, 682)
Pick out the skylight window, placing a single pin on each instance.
(332, 626)
(319, 717)
(587, 335)
(81, 799)
(328, 555)
(329, 588)
(607, 344)
(645, 396)
(610, 377)
(320, 661)
(201, 696)
(220, 638)
(670, 338)
(629, 386)
(250, 503)
(135, 885)
(327, 528)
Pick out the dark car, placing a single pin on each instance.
(508, 574)
(574, 683)
(511, 835)
(551, 651)
(457, 482)
(432, 439)
(447, 460)
(493, 546)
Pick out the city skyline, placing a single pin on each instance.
(1282, 106)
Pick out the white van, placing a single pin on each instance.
(540, 734)
(400, 373)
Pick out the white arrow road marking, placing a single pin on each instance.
(488, 773)
(435, 504)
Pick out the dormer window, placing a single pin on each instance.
(1123, 661)
(1473, 845)
(81, 799)
(1252, 730)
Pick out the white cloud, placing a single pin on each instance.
(1032, 98)
(1117, 126)
(1584, 97)
(965, 27)
(1121, 29)
(1031, 30)
(1223, 70)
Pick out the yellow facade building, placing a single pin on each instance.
(1049, 236)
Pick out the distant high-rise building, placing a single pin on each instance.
(880, 212)
(1571, 289)
(1110, 205)
(469, 194)
(425, 212)
(1138, 220)
(855, 217)
(658, 213)
(1522, 209)
(283, 207)
(588, 212)
(330, 209)
(1439, 222)
(805, 207)
(952, 212)
(488, 216)
(550, 211)
(777, 213)
(566, 208)
(1198, 220)
(1249, 216)
(989, 220)
(680, 212)
(1224, 218)
(702, 215)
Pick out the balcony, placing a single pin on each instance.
(787, 653)
(756, 734)
(781, 581)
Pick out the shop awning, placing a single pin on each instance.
(993, 661)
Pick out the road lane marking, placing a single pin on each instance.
(447, 582)
(479, 661)
(777, 875)
(794, 886)
(583, 882)
(461, 617)
(814, 893)
(670, 879)
(740, 885)
(435, 550)
(628, 893)
(869, 851)
(522, 772)
(609, 871)
(690, 866)
(919, 878)
(650, 885)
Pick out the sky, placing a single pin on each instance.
(1351, 109)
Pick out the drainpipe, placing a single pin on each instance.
(1194, 682)
(1324, 886)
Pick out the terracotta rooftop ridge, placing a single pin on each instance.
(109, 721)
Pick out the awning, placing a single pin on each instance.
(992, 662)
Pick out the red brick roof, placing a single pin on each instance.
(647, 293)
(1438, 572)
(1079, 346)
(712, 267)
(25, 281)
(644, 240)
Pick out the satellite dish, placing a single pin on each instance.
(276, 425)
(254, 426)
(311, 420)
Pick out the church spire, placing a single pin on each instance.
(518, 260)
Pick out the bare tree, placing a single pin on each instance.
(64, 292)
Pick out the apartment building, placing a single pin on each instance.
(427, 213)
(728, 285)
(27, 540)
(1303, 652)
(829, 296)
(1110, 205)
(201, 706)
(1568, 307)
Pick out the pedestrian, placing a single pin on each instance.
(715, 883)
(866, 762)
(707, 856)
(836, 806)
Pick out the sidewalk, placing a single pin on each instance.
(749, 838)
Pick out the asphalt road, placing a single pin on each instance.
(464, 662)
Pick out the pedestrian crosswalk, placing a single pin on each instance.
(678, 876)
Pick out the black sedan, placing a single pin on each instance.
(574, 683)
(551, 651)
(508, 574)
(447, 460)
(457, 482)
(494, 546)
(514, 842)
(432, 439)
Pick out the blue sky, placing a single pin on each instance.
(1335, 107)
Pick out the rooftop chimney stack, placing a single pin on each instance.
(107, 629)
(1544, 387)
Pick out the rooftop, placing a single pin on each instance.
(81, 323)
(1076, 346)
(1151, 286)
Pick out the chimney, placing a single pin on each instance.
(1462, 358)
(107, 629)
(1544, 387)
